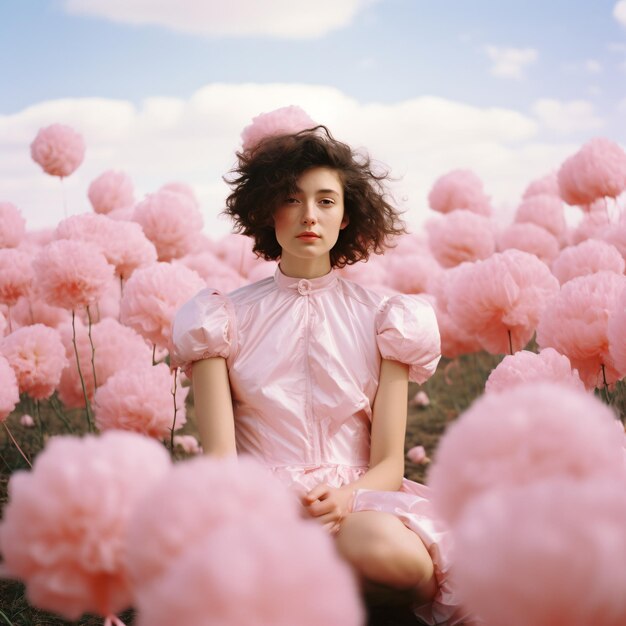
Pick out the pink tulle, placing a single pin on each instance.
(71, 274)
(182, 188)
(58, 149)
(117, 348)
(616, 333)
(110, 191)
(284, 121)
(545, 211)
(37, 356)
(33, 310)
(236, 251)
(500, 300)
(548, 185)
(63, 528)
(588, 257)
(529, 238)
(460, 236)
(411, 273)
(152, 296)
(592, 226)
(9, 390)
(459, 189)
(615, 234)
(575, 323)
(16, 275)
(12, 225)
(4, 325)
(140, 400)
(545, 554)
(215, 272)
(523, 435)
(528, 367)
(202, 495)
(597, 170)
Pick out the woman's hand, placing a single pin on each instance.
(329, 505)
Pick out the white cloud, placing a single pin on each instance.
(593, 66)
(619, 12)
(567, 117)
(510, 62)
(239, 18)
(193, 140)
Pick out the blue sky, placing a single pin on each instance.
(560, 65)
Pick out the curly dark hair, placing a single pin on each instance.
(267, 174)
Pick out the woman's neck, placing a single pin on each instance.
(295, 267)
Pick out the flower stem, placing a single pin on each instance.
(80, 374)
(154, 354)
(93, 352)
(510, 341)
(175, 412)
(16, 444)
(59, 413)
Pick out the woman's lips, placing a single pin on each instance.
(308, 236)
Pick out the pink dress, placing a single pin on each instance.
(304, 358)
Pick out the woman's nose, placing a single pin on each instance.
(309, 215)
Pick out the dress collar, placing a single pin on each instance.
(305, 286)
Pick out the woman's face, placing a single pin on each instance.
(308, 222)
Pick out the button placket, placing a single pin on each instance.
(304, 287)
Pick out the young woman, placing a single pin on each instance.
(309, 372)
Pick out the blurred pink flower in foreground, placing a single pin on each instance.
(118, 348)
(283, 121)
(63, 528)
(12, 225)
(111, 190)
(58, 149)
(575, 323)
(152, 296)
(140, 400)
(524, 435)
(9, 391)
(460, 236)
(526, 555)
(500, 300)
(71, 274)
(597, 170)
(527, 367)
(16, 275)
(37, 356)
(588, 257)
(171, 221)
(459, 189)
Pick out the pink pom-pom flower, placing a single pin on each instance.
(140, 400)
(37, 355)
(33, 310)
(214, 271)
(575, 323)
(12, 225)
(588, 257)
(71, 274)
(459, 189)
(545, 211)
(527, 367)
(111, 190)
(501, 299)
(152, 296)
(417, 455)
(171, 221)
(117, 348)
(9, 390)
(616, 333)
(203, 494)
(58, 149)
(27, 421)
(411, 272)
(546, 186)
(278, 573)
(460, 236)
(529, 238)
(182, 188)
(16, 275)
(188, 444)
(284, 121)
(528, 556)
(63, 529)
(523, 435)
(597, 170)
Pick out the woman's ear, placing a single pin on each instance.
(345, 221)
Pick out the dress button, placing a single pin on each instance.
(304, 287)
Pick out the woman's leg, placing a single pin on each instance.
(383, 550)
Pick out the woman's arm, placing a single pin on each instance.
(389, 416)
(213, 406)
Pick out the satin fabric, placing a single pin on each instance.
(304, 358)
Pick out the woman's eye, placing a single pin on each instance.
(327, 202)
(291, 200)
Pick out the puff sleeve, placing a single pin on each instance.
(407, 331)
(203, 327)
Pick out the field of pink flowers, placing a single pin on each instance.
(523, 420)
